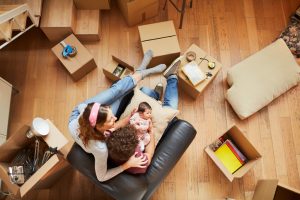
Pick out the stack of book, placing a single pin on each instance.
(231, 157)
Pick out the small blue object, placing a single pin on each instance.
(67, 51)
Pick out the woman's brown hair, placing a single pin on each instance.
(87, 132)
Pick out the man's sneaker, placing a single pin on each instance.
(173, 68)
(159, 88)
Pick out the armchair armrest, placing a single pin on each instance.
(171, 147)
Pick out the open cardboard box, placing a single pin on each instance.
(270, 189)
(137, 11)
(47, 174)
(161, 38)
(110, 68)
(244, 146)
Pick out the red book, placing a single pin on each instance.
(231, 146)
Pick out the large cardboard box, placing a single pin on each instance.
(111, 67)
(47, 174)
(270, 189)
(161, 38)
(137, 11)
(79, 65)
(244, 146)
(92, 4)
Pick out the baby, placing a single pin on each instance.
(141, 120)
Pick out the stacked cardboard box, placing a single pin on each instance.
(136, 11)
(161, 38)
(92, 4)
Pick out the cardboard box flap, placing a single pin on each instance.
(170, 45)
(243, 143)
(123, 63)
(38, 175)
(244, 169)
(213, 156)
(56, 138)
(284, 192)
(265, 189)
(14, 143)
(157, 30)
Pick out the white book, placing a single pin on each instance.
(194, 73)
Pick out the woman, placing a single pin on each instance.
(93, 120)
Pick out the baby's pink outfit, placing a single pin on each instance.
(142, 126)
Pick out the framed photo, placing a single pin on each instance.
(119, 70)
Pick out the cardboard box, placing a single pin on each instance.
(88, 26)
(47, 174)
(185, 84)
(59, 19)
(111, 67)
(270, 189)
(92, 4)
(244, 146)
(162, 39)
(137, 11)
(79, 65)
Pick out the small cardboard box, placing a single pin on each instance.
(92, 4)
(137, 11)
(161, 38)
(270, 189)
(244, 146)
(111, 68)
(201, 58)
(79, 65)
(47, 174)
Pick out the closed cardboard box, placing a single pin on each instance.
(79, 65)
(47, 174)
(161, 38)
(244, 145)
(117, 69)
(270, 189)
(92, 4)
(136, 11)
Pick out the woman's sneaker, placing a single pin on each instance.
(173, 68)
(159, 90)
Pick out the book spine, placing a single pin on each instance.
(234, 152)
(240, 155)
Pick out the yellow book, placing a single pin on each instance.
(227, 157)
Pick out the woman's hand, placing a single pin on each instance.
(134, 161)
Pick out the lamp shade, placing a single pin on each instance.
(39, 127)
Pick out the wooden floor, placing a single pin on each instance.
(230, 30)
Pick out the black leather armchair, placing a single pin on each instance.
(177, 137)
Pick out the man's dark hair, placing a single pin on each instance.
(143, 106)
(122, 143)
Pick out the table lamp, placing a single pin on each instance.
(39, 127)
